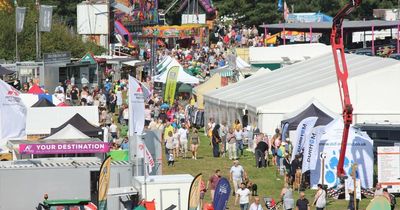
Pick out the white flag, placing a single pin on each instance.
(136, 107)
(12, 114)
(311, 149)
(303, 130)
(143, 152)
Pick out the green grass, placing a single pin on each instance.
(265, 178)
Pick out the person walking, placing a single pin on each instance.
(287, 197)
(256, 204)
(183, 139)
(195, 142)
(239, 141)
(231, 143)
(236, 175)
(213, 181)
(302, 203)
(243, 196)
(215, 140)
(320, 198)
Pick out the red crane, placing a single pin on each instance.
(342, 75)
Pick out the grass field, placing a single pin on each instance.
(266, 179)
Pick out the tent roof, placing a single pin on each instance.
(82, 124)
(183, 77)
(241, 64)
(211, 84)
(287, 53)
(43, 102)
(313, 108)
(68, 132)
(293, 79)
(35, 89)
(5, 71)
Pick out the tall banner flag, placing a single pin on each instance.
(19, 18)
(194, 193)
(143, 152)
(222, 193)
(12, 114)
(303, 130)
(285, 11)
(280, 5)
(104, 183)
(311, 149)
(136, 107)
(170, 88)
(45, 18)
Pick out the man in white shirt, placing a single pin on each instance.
(243, 195)
(113, 130)
(59, 88)
(236, 175)
(256, 204)
(183, 138)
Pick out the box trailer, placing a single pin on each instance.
(24, 182)
(166, 190)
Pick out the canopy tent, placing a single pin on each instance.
(185, 88)
(43, 102)
(30, 99)
(211, 84)
(311, 109)
(183, 77)
(35, 89)
(162, 66)
(83, 125)
(5, 71)
(68, 132)
(241, 64)
(276, 57)
(269, 96)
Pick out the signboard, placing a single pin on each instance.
(194, 19)
(64, 148)
(389, 168)
(58, 57)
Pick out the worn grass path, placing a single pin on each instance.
(269, 184)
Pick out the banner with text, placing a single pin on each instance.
(170, 87)
(359, 150)
(311, 149)
(303, 130)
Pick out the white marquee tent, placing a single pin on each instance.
(374, 85)
(287, 53)
(182, 75)
(69, 132)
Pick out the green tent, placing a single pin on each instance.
(185, 88)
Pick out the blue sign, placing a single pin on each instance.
(221, 196)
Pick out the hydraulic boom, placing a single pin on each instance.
(342, 75)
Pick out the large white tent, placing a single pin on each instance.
(69, 132)
(374, 83)
(286, 54)
(183, 77)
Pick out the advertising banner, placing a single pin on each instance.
(136, 107)
(170, 88)
(64, 148)
(45, 18)
(303, 130)
(12, 113)
(19, 18)
(104, 183)
(222, 193)
(311, 149)
(194, 193)
(359, 150)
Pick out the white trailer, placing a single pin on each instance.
(24, 182)
(166, 190)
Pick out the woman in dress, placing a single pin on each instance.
(195, 142)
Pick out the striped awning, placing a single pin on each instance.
(223, 71)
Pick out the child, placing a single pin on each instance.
(171, 160)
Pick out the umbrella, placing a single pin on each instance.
(5, 71)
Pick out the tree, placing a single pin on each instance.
(59, 39)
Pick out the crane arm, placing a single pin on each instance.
(342, 75)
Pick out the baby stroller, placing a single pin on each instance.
(271, 204)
